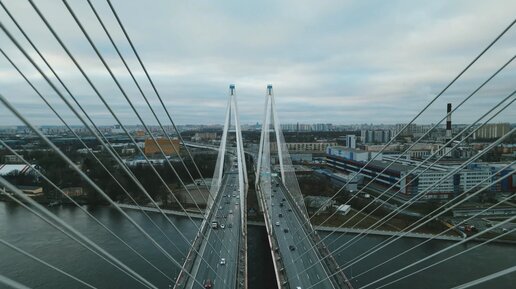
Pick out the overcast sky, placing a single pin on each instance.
(341, 62)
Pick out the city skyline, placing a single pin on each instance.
(328, 63)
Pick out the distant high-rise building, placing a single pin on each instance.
(351, 141)
(492, 130)
(375, 136)
(302, 127)
(405, 131)
(322, 127)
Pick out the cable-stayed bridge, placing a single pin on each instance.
(286, 216)
(217, 256)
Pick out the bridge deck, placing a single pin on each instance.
(289, 233)
(219, 240)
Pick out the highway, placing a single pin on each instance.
(226, 213)
(287, 234)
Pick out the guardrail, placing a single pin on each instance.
(329, 263)
(182, 278)
(281, 279)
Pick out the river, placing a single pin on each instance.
(20, 227)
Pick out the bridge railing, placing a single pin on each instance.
(329, 262)
(277, 262)
(182, 278)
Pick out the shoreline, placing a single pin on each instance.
(195, 215)
(330, 229)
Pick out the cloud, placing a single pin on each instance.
(330, 61)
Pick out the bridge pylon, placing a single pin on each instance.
(222, 162)
(284, 210)
(224, 208)
(271, 124)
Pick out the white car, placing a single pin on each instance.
(277, 223)
(222, 226)
(222, 261)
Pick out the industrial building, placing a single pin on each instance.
(408, 183)
(350, 182)
(318, 203)
(12, 159)
(8, 169)
(204, 136)
(352, 153)
(169, 147)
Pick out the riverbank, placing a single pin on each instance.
(373, 232)
(330, 229)
(199, 216)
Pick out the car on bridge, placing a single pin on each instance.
(208, 284)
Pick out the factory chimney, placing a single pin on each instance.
(448, 123)
(448, 148)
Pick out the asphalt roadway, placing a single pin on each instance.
(227, 214)
(287, 233)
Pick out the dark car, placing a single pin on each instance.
(292, 247)
(285, 230)
(290, 210)
(280, 215)
(208, 284)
